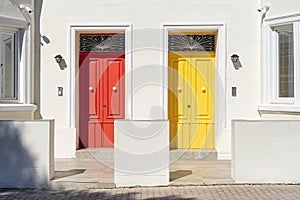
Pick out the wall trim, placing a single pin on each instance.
(13, 22)
(17, 107)
(128, 67)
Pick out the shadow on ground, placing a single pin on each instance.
(82, 194)
(179, 174)
(63, 174)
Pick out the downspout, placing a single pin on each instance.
(35, 56)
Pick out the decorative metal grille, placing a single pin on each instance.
(192, 43)
(102, 43)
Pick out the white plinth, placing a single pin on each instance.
(141, 153)
(26, 153)
(265, 151)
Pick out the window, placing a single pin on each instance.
(15, 71)
(8, 66)
(281, 65)
(285, 60)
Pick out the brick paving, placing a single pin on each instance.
(232, 192)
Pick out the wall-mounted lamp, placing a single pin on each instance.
(61, 62)
(58, 58)
(236, 61)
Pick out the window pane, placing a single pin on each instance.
(7, 67)
(286, 61)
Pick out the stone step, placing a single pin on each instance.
(107, 155)
(193, 154)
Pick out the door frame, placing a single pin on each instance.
(74, 101)
(220, 73)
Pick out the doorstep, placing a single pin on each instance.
(106, 155)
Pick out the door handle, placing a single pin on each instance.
(179, 89)
(203, 89)
(91, 89)
(114, 89)
(104, 105)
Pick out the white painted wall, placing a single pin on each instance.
(147, 19)
(141, 153)
(280, 8)
(8, 8)
(265, 151)
(26, 153)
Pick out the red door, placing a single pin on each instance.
(101, 84)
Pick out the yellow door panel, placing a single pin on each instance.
(210, 136)
(197, 134)
(179, 88)
(185, 137)
(191, 100)
(173, 135)
(204, 87)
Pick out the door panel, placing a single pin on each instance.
(179, 90)
(99, 104)
(114, 88)
(202, 114)
(108, 136)
(191, 107)
(90, 115)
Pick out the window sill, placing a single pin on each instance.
(278, 108)
(17, 107)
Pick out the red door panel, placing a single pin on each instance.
(101, 98)
(114, 88)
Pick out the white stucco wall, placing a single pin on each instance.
(265, 151)
(280, 8)
(26, 153)
(8, 8)
(242, 37)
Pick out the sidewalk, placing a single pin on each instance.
(231, 192)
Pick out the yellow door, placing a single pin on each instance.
(191, 100)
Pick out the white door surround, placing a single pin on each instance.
(74, 47)
(220, 98)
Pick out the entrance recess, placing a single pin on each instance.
(191, 61)
(101, 88)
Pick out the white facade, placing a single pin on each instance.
(147, 21)
(240, 30)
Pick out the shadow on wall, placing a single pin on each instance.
(17, 168)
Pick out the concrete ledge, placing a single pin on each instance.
(266, 151)
(17, 107)
(26, 153)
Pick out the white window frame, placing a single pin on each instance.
(270, 82)
(23, 100)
